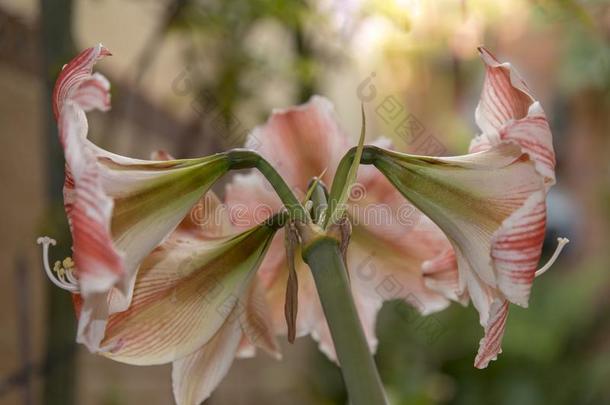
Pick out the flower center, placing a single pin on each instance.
(62, 274)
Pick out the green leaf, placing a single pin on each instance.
(341, 187)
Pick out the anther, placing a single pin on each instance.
(61, 276)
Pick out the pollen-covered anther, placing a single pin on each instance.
(561, 242)
(62, 274)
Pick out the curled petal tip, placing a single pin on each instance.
(488, 57)
(103, 51)
(482, 364)
(78, 83)
(491, 344)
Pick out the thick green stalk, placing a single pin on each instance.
(247, 159)
(357, 366)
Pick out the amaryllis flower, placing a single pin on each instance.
(491, 203)
(196, 303)
(383, 258)
(119, 209)
(152, 285)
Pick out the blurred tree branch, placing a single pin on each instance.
(57, 47)
(19, 49)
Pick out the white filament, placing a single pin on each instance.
(561, 242)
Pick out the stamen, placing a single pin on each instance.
(71, 278)
(561, 242)
(59, 274)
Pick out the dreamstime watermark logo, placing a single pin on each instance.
(405, 125)
(361, 210)
(357, 192)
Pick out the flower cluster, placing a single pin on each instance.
(155, 283)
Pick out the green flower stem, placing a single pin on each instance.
(247, 159)
(359, 372)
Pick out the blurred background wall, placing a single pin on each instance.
(193, 77)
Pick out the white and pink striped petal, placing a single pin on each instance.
(491, 206)
(119, 209)
(183, 294)
(491, 344)
(505, 95)
(508, 112)
(195, 376)
(301, 142)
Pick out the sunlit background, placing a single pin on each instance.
(193, 77)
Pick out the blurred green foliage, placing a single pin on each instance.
(557, 351)
(585, 62)
(225, 65)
